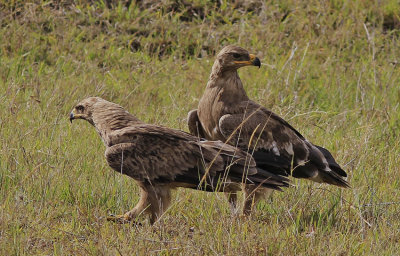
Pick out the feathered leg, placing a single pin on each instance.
(140, 208)
(160, 199)
(153, 201)
(232, 199)
(252, 195)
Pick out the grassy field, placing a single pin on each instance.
(331, 69)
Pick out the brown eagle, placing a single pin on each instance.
(226, 113)
(159, 158)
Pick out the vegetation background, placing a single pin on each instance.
(330, 68)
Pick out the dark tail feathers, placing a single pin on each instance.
(332, 163)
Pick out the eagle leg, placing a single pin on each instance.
(154, 200)
(159, 199)
(253, 194)
(232, 199)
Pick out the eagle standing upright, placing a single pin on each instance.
(226, 113)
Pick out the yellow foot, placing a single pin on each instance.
(122, 219)
(244, 217)
(118, 218)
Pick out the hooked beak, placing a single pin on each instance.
(253, 61)
(71, 117)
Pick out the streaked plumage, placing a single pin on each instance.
(159, 158)
(226, 113)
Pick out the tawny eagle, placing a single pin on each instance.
(160, 159)
(226, 113)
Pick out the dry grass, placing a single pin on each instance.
(331, 70)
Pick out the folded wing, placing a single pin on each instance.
(156, 154)
(278, 147)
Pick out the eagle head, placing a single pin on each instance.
(234, 57)
(84, 109)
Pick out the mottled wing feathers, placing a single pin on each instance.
(158, 154)
(152, 155)
(256, 130)
(278, 147)
(235, 155)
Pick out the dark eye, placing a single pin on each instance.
(79, 108)
(236, 55)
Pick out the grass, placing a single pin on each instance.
(331, 70)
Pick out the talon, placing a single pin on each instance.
(244, 217)
(121, 219)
